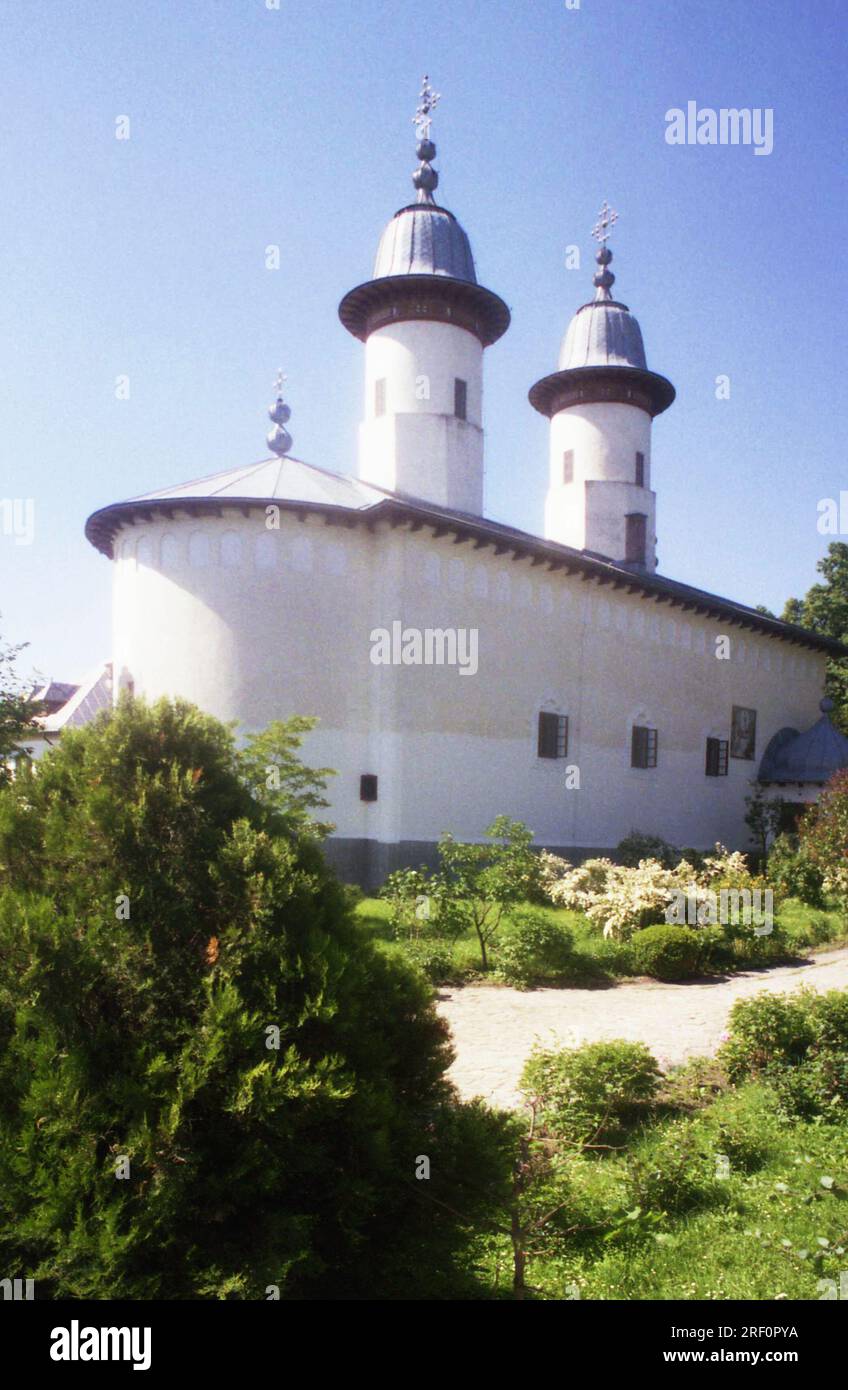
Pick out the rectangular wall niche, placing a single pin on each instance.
(368, 787)
(643, 748)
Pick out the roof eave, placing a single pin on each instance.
(102, 526)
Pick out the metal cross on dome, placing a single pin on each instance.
(427, 101)
(604, 225)
(280, 381)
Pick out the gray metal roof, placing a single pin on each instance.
(273, 480)
(425, 240)
(602, 333)
(83, 702)
(813, 756)
(299, 486)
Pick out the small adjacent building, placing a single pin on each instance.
(65, 706)
(795, 766)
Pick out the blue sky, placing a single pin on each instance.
(252, 126)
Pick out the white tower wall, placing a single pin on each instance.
(418, 445)
(590, 512)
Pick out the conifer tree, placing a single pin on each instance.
(210, 1085)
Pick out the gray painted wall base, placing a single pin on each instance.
(369, 862)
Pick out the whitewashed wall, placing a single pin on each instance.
(255, 625)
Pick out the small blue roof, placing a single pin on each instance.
(813, 756)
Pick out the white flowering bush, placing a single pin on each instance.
(571, 887)
(620, 900)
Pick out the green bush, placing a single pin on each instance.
(408, 894)
(592, 1092)
(675, 1170)
(818, 1087)
(666, 952)
(794, 874)
(744, 1126)
(733, 946)
(613, 956)
(537, 949)
(635, 847)
(798, 1044)
(768, 1030)
(434, 959)
(160, 918)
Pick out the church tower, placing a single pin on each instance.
(601, 402)
(424, 321)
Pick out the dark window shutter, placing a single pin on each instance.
(548, 734)
(640, 470)
(652, 748)
(568, 466)
(368, 787)
(553, 735)
(716, 763)
(460, 398)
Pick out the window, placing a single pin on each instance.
(380, 396)
(460, 398)
(368, 787)
(643, 748)
(553, 735)
(634, 539)
(716, 763)
(568, 466)
(743, 733)
(640, 470)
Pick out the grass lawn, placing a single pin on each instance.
(657, 1222)
(595, 961)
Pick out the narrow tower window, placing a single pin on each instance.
(640, 470)
(634, 540)
(380, 396)
(568, 466)
(460, 398)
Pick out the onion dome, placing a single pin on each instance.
(813, 756)
(602, 357)
(279, 440)
(424, 268)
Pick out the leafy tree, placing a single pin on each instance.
(824, 609)
(17, 710)
(277, 777)
(824, 836)
(408, 893)
(210, 1083)
(763, 817)
(474, 886)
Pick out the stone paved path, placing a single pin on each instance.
(494, 1029)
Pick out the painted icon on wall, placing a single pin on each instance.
(743, 733)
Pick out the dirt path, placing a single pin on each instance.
(494, 1030)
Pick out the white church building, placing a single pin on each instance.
(459, 668)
